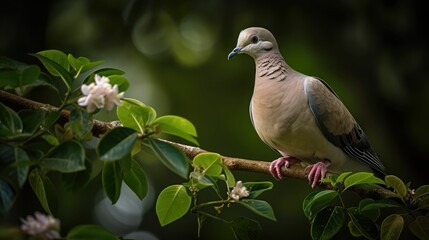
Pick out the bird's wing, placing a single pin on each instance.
(338, 125)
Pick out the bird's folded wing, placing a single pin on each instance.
(337, 124)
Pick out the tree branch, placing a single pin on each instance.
(295, 171)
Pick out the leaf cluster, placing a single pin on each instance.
(209, 172)
(371, 218)
(32, 142)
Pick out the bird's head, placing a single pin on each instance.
(254, 41)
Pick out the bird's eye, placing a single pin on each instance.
(254, 39)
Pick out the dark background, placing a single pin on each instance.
(373, 54)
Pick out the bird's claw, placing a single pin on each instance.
(316, 172)
(276, 165)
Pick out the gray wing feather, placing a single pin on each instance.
(339, 127)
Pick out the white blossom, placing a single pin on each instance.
(100, 94)
(239, 191)
(41, 226)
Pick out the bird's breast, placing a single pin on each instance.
(279, 109)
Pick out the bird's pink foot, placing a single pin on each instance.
(317, 171)
(276, 165)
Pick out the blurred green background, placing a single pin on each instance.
(374, 54)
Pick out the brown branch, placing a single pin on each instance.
(99, 128)
(295, 171)
(18, 103)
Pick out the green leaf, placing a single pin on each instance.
(201, 181)
(173, 202)
(171, 157)
(329, 180)
(19, 75)
(327, 223)
(372, 212)
(342, 176)
(112, 179)
(369, 204)
(116, 144)
(82, 64)
(7, 155)
(66, 157)
(80, 123)
(7, 197)
(391, 227)
(28, 74)
(137, 147)
(57, 57)
(230, 179)
(109, 71)
(77, 180)
(18, 161)
(361, 178)
(245, 228)
(134, 114)
(421, 191)
(103, 72)
(211, 163)
(260, 207)
(136, 179)
(256, 188)
(424, 204)
(36, 183)
(177, 126)
(370, 208)
(420, 227)
(31, 120)
(316, 201)
(354, 231)
(364, 225)
(9, 78)
(51, 139)
(85, 232)
(49, 82)
(121, 81)
(51, 118)
(8, 72)
(10, 122)
(126, 163)
(20, 173)
(56, 69)
(51, 192)
(397, 185)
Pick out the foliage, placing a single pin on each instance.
(209, 173)
(36, 142)
(327, 211)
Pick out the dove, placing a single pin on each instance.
(301, 117)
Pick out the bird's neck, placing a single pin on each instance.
(271, 67)
(271, 81)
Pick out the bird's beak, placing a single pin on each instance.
(234, 51)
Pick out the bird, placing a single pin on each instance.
(301, 117)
